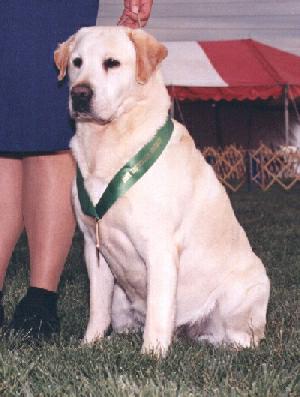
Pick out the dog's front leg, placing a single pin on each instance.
(101, 290)
(162, 271)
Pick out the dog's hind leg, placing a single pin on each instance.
(243, 312)
(245, 325)
(238, 318)
(123, 319)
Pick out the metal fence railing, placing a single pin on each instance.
(263, 166)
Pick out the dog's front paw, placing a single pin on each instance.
(91, 338)
(155, 349)
(93, 334)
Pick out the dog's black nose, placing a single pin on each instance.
(81, 97)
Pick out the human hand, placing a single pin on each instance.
(136, 13)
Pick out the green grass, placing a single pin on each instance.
(115, 367)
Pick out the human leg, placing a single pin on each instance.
(48, 215)
(11, 221)
(49, 223)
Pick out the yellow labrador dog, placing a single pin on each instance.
(172, 254)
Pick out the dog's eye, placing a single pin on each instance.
(111, 63)
(77, 62)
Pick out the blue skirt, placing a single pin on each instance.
(33, 105)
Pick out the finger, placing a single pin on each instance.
(135, 9)
(127, 21)
(135, 17)
(132, 15)
(135, 5)
(140, 6)
(138, 11)
(132, 5)
(145, 7)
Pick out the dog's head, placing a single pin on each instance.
(105, 68)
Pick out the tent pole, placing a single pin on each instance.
(248, 158)
(286, 114)
(219, 135)
(172, 108)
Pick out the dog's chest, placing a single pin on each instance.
(95, 186)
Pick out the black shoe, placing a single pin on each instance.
(36, 314)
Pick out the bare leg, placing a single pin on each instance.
(11, 220)
(48, 215)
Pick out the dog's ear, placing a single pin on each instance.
(149, 54)
(62, 55)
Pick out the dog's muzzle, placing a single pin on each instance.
(81, 95)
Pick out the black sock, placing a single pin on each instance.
(1, 297)
(43, 297)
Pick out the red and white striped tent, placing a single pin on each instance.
(234, 69)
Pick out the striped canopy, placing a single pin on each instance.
(234, 69)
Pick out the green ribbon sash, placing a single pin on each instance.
(127, 176)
